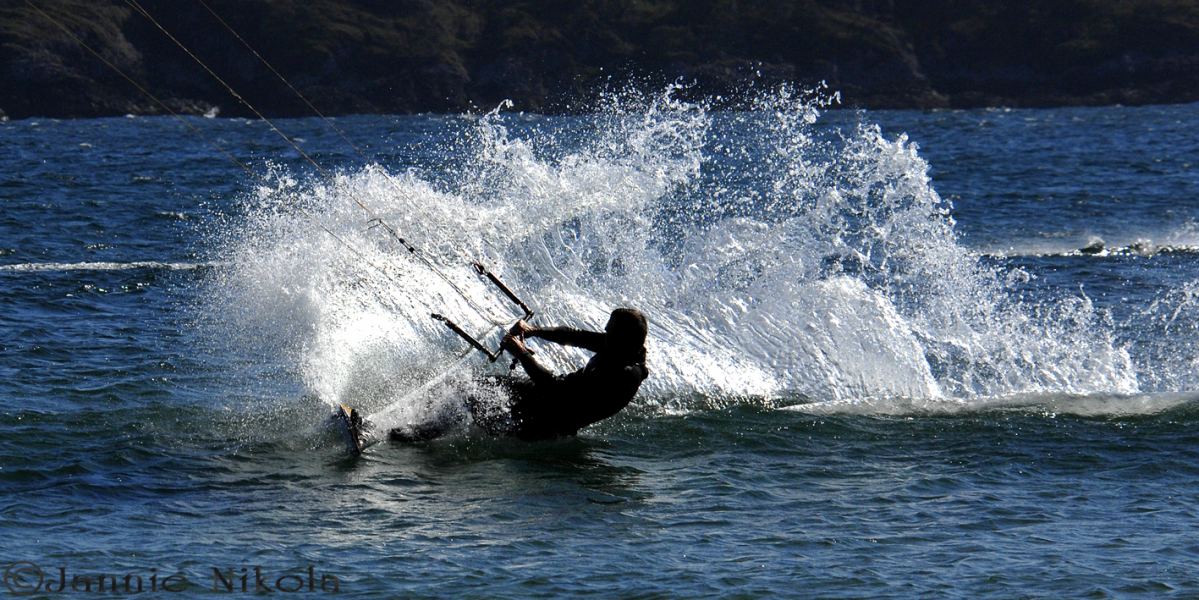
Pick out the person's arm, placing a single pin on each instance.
(537, 373)
(568, 336)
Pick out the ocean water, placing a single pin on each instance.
(880, 364)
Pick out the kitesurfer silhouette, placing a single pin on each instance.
(547, 406)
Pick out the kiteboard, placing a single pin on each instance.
(352, 427)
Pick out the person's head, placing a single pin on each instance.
(626, 331)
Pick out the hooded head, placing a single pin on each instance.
(626, 331)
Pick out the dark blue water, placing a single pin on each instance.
(142, 435)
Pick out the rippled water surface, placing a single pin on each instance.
(881, 363)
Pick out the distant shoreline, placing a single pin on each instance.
(479, 111)
(451, 56)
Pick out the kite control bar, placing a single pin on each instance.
(482, 271)
(492, 355)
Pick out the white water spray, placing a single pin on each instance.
(776, 257)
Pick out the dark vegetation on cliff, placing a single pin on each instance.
(395, 56)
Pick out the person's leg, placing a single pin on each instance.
(492, 412)
(496, 413)
(442, 420)
(418, 433)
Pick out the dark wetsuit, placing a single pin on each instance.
(548, 406)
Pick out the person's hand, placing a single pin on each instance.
(514, 344)
(520, 329)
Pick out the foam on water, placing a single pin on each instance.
(777, 257)
(103, 266)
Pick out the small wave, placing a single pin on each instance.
(105, 266)
(1081, 405)
(172, 215)
(1137, 249)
